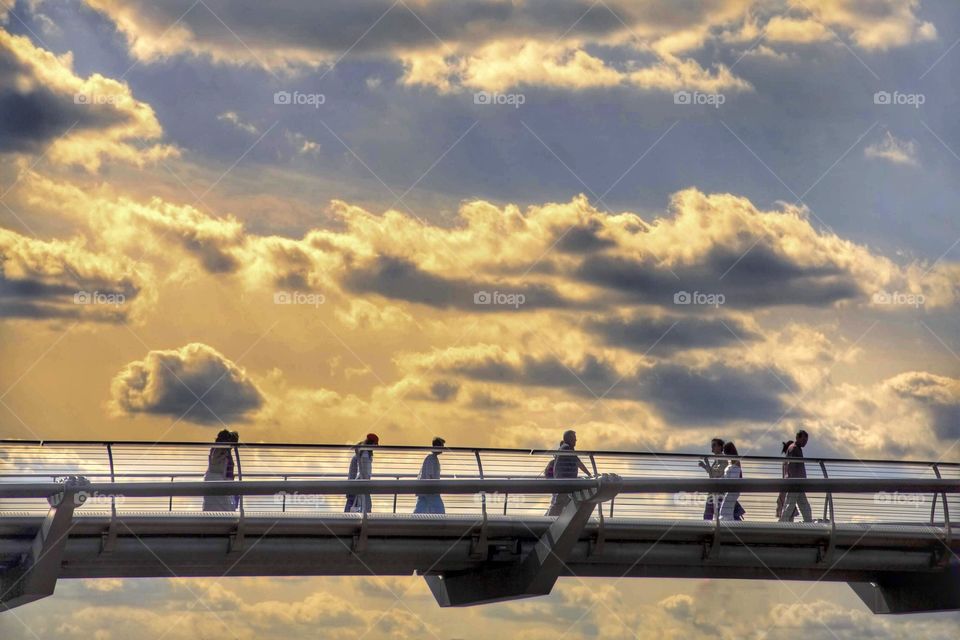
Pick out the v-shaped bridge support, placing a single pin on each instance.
(36, 575)
(535, 574)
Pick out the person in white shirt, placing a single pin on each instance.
(733, 470)
(430, 470)
(361, 468)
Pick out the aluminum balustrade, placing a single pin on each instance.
(43, 461)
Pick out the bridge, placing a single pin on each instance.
(79, 509)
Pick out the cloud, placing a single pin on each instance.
(685, 395)
(195, 383)
(79, 121)
(789, 30)
(565, 255)
(61, 279)
(910, 414)
(893, 150)
(400, 279)
(495, 45)
(233, 119)
(662, 335)
(939, 396)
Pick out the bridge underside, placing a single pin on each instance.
(893, 568)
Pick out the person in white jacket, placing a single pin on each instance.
(430, 470)
(734, 471)
(361, 468)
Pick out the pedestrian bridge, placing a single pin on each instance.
(135, 509)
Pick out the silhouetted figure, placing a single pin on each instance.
(565, 465)
(714, 470)
(361, 468)
(430, 470)
(729, 504)
(796, 499)
(220, 467)
(782, 498)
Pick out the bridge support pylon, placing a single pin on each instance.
(912, 592)
(35, 576)
(536, 573)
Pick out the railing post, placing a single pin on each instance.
(483, 496)
(113, 499)
(933, 507)
(283, 506)
(236, 450)
(829, 499)
(171, 496)
(395, 499)
(593, 465)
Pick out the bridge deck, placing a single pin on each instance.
(883, 526)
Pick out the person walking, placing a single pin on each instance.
(796, 499)
(566, 465)
(430, 470)
(220, 467)
(361, 468)
(729, 504)
(714, 470)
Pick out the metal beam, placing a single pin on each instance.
(536, 574)
(35, 576)
(471, 486)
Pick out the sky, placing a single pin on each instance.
(654, 222)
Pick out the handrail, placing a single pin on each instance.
(458, 486)
(599, 452)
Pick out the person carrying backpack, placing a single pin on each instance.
(564, 465)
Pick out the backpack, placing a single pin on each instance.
(548, 472)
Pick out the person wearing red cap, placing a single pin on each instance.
(361, 468)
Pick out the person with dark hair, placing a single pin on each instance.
(729, 502)
(714, 470)
(430, 470)
(565, 465)
(796, 499)
(220, 467)
(361, 468)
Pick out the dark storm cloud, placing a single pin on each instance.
(33, 114)
(716, 394)
(403, 280)
(49, 290)
(364, 26)
(759, 278)
(713, 394)
(668, 334)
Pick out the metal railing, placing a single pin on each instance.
(185, 462)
